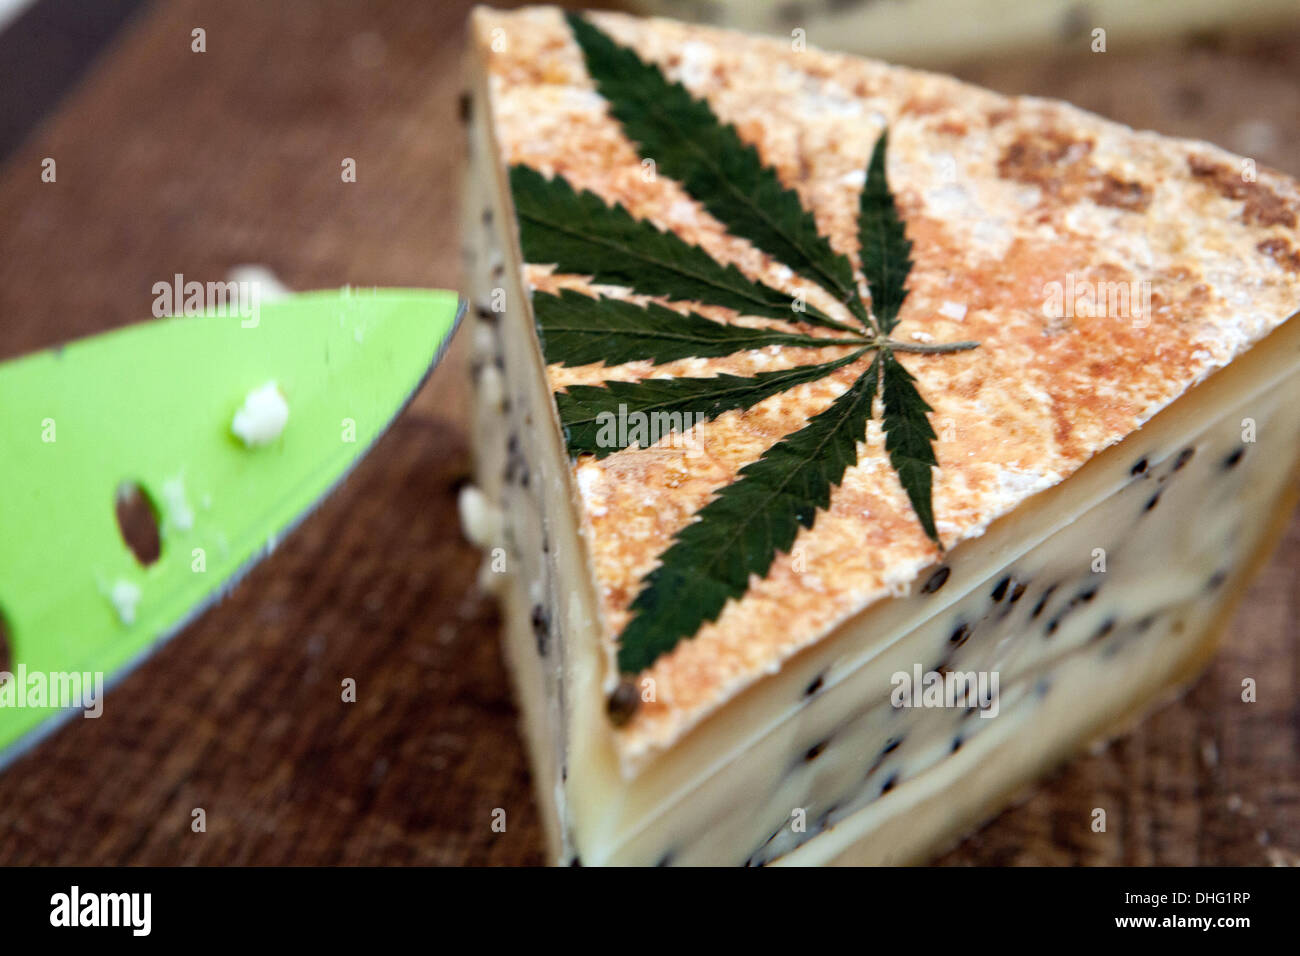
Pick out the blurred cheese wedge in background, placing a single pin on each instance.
(939, 32)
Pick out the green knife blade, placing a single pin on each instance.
(152, 405)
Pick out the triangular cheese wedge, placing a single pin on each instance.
(787, 675)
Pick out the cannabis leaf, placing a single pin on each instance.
(578, 329)
(739, 532)
(591, 415)
(907, 438)
(580, 233)
(886, 250)
(688, 143)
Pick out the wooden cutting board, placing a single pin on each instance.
(174, 161)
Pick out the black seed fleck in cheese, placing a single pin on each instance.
(541, 628)
(622, 703)
(815, 751)
(814, 687)
(1000, 590)
(1042, 602)
(1232, 460)
(936, 580)
(961, 635)
(889, 784)
(1139, 467)
(1107, 626)
(1155, 500)
(1083, 597)
(1183, 458)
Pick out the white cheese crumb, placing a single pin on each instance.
(924, 337)
(124, 597)
(176, 507)
(953, 310)
(266, 284)
(262, 417)
(479, 519)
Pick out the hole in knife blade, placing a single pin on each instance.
(137, 520)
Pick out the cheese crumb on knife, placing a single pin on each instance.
(262, 417)
(124, 597)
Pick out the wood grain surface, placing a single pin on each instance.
(171, 161)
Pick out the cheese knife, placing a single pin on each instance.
(228, 429)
